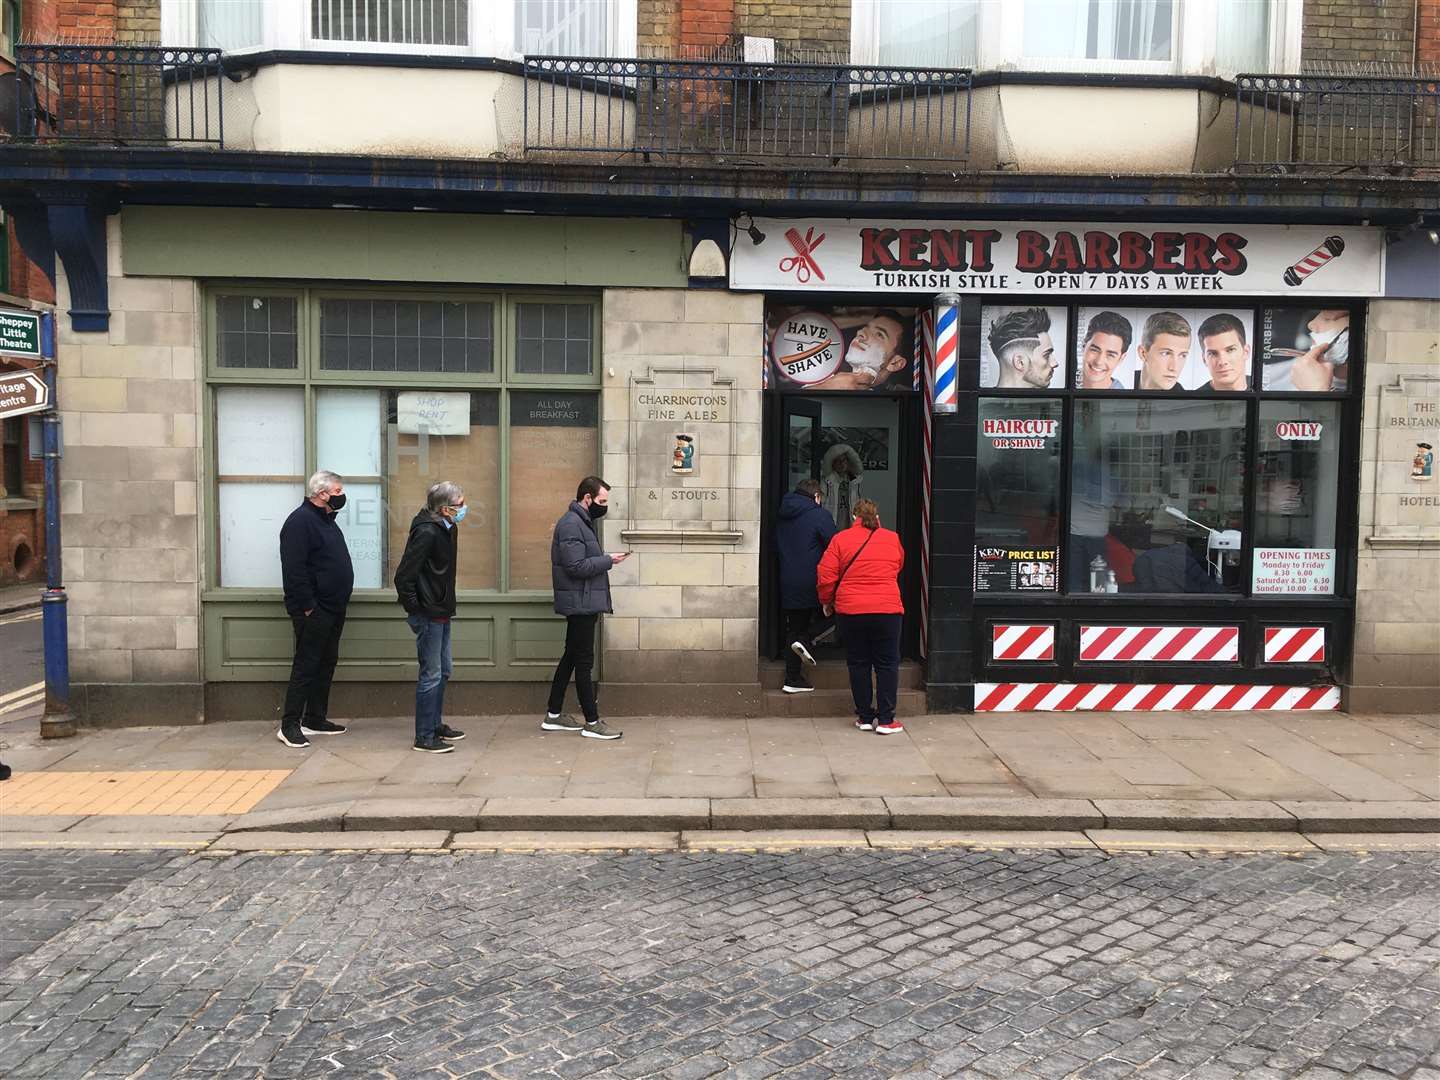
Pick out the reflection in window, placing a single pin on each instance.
(1157, 497)
(1018, 481)
(390, 446)
(1100, 29)
(393, 22)
(260, 469)
(407, 335)
(920, 32)
(554, 444)
(1297, 485)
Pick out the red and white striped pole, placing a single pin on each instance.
(947, 352)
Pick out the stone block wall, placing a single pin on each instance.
(1359, 32)
(687, 602)
(1397, 617)
(130, 479)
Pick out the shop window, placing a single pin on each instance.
(256, 332)
(391, 22)
(1017, 503)
(1157, 497)
(442, 336)
(554, 339)
(1297, 486)
(260, 466)
(554, 443)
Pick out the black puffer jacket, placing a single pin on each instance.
(579, 567)
(425, 578)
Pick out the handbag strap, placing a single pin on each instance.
(851, 563)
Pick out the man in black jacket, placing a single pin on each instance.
(425, 582)
(580, 575)
(803, 533)
(318, 578)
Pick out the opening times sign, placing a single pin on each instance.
(851, 255)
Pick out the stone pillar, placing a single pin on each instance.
(684, 634)
(130, 403)
(1397, 611)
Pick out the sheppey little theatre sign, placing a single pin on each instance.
(849, 255)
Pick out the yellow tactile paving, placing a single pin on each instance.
(180, 792)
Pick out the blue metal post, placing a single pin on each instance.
(57, 722)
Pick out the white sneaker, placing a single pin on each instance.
(791, 688)
(799, 649)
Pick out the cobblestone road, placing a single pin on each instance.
(806, 965)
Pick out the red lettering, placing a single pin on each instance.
(1198, 251)
(980, 241)
(1134, 252)
(913, 243)
(1031, 251)
(947, 249)
(1066, 257)
(1099, 252)
(1166, 247)
(875, 253)
(1228, 257)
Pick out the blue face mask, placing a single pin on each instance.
(460, 514)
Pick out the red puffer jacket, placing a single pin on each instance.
(869, 586)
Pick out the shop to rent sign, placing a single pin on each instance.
(1165, 261)
(1293, 572)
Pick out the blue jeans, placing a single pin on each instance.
(432, 648)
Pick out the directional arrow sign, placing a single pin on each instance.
(23, 393)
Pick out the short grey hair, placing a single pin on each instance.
(445, 493)
(321, 483)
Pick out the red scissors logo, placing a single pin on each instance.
(802, 264)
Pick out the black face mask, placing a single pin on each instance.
(597, 511)
(337, 502)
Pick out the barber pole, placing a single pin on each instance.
(1181, 644)
(1152, 697)
(1294, 645)
(1023, 642)
(1330, 249)
(947, 352)
(924, 381)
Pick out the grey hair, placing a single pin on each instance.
(445, 493)
(321, 482)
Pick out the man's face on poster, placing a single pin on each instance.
(1102, 355)
(1227, 360)
(881, 338)
(1162, 361)
(1328, 323)
(1038, 363)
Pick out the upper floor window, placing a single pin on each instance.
(1191, 37)
(501, 28)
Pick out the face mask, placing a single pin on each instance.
(869, 357)
(597, 511)
(460, 514)
(337, 502)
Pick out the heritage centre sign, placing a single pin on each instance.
(1162, 261)
(23, 393)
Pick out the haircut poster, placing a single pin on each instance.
(1022, 348)
(1305, 349)
(840, 348)
(1004, 569)
(1201, 349)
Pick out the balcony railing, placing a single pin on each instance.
(735, 112)
(128, 94)
(1337, 123)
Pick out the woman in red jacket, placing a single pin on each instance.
(856, 579)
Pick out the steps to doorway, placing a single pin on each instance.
(831, 696)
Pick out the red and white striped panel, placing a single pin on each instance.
(1023, 641)
(1171, 643)
(1294, 645)
(1151, 697)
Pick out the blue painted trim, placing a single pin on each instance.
(78, 231)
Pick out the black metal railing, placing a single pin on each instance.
(738, 111)
(1335, 123)
(119, 94)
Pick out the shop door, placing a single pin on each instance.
(800, 443)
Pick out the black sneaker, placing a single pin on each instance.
(291, 735)
(801, 685)
(448, 733)
(434, 746)
(321, 727)
(4, 771)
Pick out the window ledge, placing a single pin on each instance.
(9, 504)
(1403, 541)
(687, 536)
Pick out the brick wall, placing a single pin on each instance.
(1359, 31)
(1428, 45)
(817, 24)
(658, 27)
(137, 22)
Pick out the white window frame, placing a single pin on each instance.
(1002, 36)
(286, 25)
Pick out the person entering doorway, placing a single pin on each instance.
(803, 532)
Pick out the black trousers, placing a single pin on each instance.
(803, 625)
(872, 644)
(317, 649)
(579, 660)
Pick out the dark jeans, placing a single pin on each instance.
(432, 649)
(317, 649)
(579, 659)
(803, 625)
(872, 643)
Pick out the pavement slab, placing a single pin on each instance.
(566, 841)
(1392, 817)
(35, 822)
(1195, 814)
(326, 817)
(993, 814)
(1404, 841)
(405, 840)
(1181, 840)
(149, 839)
(799, 814)
(140, 824)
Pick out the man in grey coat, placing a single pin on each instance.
(579, 573)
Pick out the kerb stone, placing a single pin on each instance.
(1205, 815)
(329, 817)
(452, 815)
(423, 839)
(567, 841)
(595, 815)
(990, 815)
(799, 814)
(1356, 817)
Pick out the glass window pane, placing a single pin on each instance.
(1242, 37)
(1139, 470)
(256, 332)
(554, 444)
(405, 335)
(434, 435)
(250, 516)
(554, 339)
(259, 431)
(1099, 29)
(927, 32)
(1017, 524)
(1305, 349)
(399, 22)
(1297, 484)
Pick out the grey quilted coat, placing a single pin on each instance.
(579, 567)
